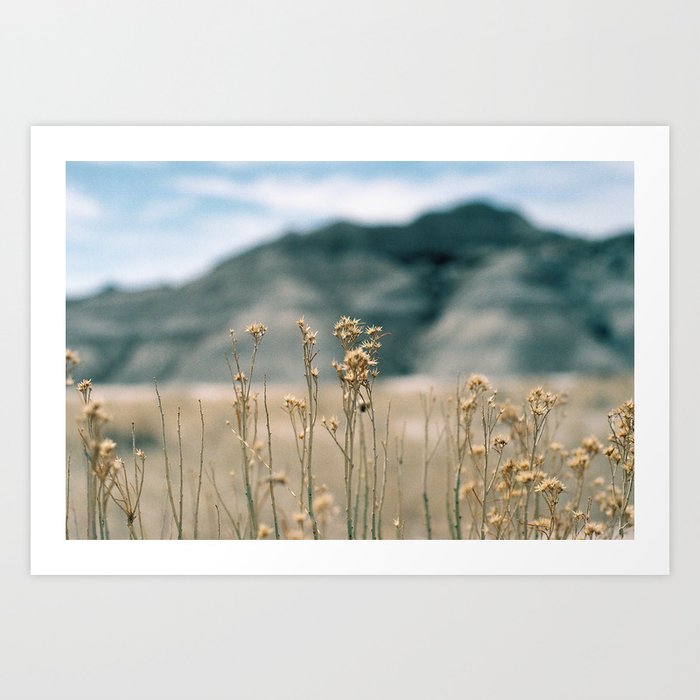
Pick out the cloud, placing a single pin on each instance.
(364, 200)
(143, 256)
(82, 207)
(165, 209)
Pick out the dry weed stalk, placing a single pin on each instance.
(242, 383)
(357, 374)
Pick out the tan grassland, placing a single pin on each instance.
(362, 458)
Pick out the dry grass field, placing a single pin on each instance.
(548, 457)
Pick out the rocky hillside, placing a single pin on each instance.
(472, 289)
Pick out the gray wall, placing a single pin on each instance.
(363, 62)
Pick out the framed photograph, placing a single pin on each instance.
(350, 350)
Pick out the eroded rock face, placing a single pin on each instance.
(475, 288)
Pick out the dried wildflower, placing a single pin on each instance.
(592, 445)
(467, 407)
(295, 535)
(478, 384)
(347, 330)
(292, 403)
(499, 442)
(550, 487)
(580, 461)
(331, 423)
(94, 411)
(495, 518)
(85, 389)
(72, 360)
(541, 401)
(540, 524)
(590, 529)
(466, 488)
(308, 336)
(613, 454)
(323, 502)
(257, 331)
(509, 413)
(278, 478)
(508, 471)
(356, 368)
(525, 477)
(263, 531)
(478, 450)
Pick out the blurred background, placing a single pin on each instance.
(509, 268)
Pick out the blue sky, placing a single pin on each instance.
(141, 224)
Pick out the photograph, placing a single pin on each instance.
(350, 350)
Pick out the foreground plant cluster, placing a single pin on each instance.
(505, 476)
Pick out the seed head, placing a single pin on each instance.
(592, 445)
(347, 330)
(465, 489)
(85, 388)
(107, 447)
(357, 366)
(323, 502)
(478, 383)
(541, 401)
(331, 423)
(550, 486)
(579, 461)
(257, 331)
(499, 442)
(278, 478)
(592, 528)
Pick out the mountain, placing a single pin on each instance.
(472, 289)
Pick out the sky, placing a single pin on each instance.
(141, 224)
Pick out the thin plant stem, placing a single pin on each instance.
(385, 469)
(67, 495)
(181, 485)
(269, 461)
(199, 476)
(168, 481)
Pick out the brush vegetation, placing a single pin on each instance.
(356, 458)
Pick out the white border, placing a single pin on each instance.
(52, 147)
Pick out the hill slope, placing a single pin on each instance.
(474, 288)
